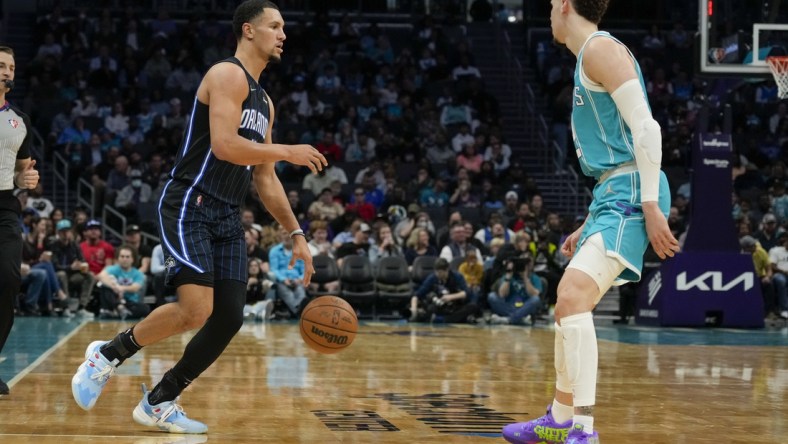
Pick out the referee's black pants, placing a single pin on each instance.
(10, 270)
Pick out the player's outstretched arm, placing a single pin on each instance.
(224, 89)
(273, 196)
(609, 63)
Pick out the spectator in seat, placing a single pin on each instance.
(470, 159)
(472, 271)
(133, 239)
(72, 270)
(434, 196)
(419, 244)
(385, 245)
(257, 286)
(465, 69)
(316, 183)
(329, 148)
(289, 281)
(74, 133)
(97, 252)
(778, 256)
(458, 245)
(769, 232)
(132, 195)
(122, 287)
(319, 243)
(359, 245)
(462, 138)
(38, 202)
(463, 196)
(325, 208)
(442, 297)
(763, 269)
(515, 298)
(359, 205)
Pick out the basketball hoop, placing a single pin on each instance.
(779, 67)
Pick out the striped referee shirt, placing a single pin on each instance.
(15, 141)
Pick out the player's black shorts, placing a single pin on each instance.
(200, 234)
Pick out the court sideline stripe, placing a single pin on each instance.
(45, 355)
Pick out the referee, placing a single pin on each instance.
(16, 169)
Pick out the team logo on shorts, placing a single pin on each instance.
(199, 200)
(169, 263)
(13, 122)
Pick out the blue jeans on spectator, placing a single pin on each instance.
(54, 283)
(37, 290)
(292, 296)
(507, 306)
(780, 281)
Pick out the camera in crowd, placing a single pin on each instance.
(517, 265)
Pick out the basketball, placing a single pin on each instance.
(328, 324)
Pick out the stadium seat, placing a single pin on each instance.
(393, 285)
(357, 284)
(326, 270)
(422, 267)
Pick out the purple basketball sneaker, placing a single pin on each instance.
(578, 436)
(544, 430)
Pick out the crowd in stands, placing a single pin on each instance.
(418, 163)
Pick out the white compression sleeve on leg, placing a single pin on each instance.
(562, 381)
(580, 349)
(646, 135)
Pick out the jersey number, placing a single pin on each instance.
(578, 97)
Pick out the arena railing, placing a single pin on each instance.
(60, 180)
(84, 187)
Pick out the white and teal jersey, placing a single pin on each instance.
(604, 142)
(602, 138)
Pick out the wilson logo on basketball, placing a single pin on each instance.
(331, 339)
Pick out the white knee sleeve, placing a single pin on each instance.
(562, 382)
(592, 259)
(580, 351)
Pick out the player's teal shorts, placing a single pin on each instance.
(616, 213)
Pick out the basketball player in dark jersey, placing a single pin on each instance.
(16, 169)
(227, 142)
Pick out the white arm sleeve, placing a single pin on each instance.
(646, 134)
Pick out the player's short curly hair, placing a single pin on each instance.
(591, 10)
(248, 11)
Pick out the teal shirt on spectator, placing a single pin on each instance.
(279, 259)
(128, 277)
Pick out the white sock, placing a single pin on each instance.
(561, 413)
(587, 421)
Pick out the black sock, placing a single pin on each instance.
(121, 347)
(170, 386)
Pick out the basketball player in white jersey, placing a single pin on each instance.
(619, 143)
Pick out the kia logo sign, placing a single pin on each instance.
(713, 281)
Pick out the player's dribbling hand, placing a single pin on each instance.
(301, 251)
(307, 156)
(662, 240)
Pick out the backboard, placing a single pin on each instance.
(736, 36)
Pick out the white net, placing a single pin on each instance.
(779, 67)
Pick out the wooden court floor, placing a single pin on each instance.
(401, 383)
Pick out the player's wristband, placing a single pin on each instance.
(297, 232)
